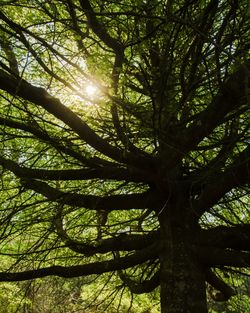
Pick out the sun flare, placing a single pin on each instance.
(91, 90)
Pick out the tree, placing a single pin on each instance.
(124, 144)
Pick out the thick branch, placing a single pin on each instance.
(54, 142)
(99, 29)
(237, 237)
(214, 257)
(74, 174)
(85, 269)
(231, 96)
(225, 291)
(238, 174)
(116, 202)
(122, 242)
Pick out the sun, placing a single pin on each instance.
(91, 90)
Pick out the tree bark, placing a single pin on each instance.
(182, 277)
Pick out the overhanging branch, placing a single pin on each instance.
(214, 257)
(237, 237)
(112, 173)
(116, 202)
(54, 142)
(122, 242)
(85, 269)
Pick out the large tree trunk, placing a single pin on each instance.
(182, 276)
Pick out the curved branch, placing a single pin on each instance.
(86, 269)
(225, 291)
(118, 48)
(122, 242)
(143, 287)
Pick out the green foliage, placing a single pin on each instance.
(147, 175)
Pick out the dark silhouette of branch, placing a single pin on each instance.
(225, 291)
(86, 269)
(237, 174)
(214, 257)
(141, 287)
(114, 202)
(237, 237)
(40, 97)
(108, 172)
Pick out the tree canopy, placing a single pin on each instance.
(124, 139)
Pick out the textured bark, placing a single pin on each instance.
(182, 278)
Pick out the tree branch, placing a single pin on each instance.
(116, 202)
(237, 174)
(231, 96)
(225, 291)
(41, 97)
(10, 55)
(113, 173)
(122, 242)
(214, 257)
(55, 142)
(139, 257)
(237, 237)
(99, 29)
(142, 287)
